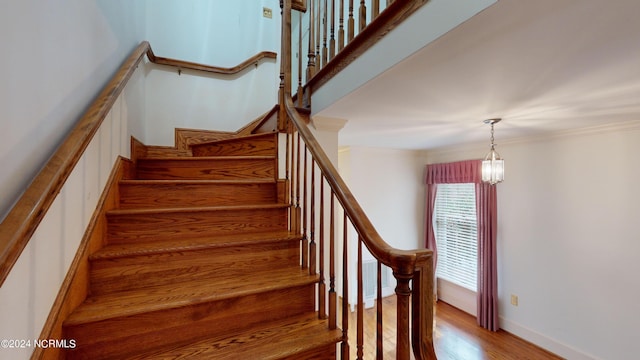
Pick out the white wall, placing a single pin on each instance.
(56, 57)
(221, 33)
(214, 33)
(388, 185)
(568, 238)
(197, 100)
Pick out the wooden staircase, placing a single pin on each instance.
(199, 263)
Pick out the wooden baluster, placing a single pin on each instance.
(318, 34)
(403, 293)
(305, 205)
(350, 23)
(362, 22)
(332, 41)
(341, 27)
(294, 222)
(285, 62)
(333, 316)
(311, 66)
(379, 342)
(360, 306)
(287, 172)
(297, 188)
(375, 9)
(312, 229)
(322, 287)
(345, 290)
(290, 177)
(324, 34)
(300, 89)
(281, 93)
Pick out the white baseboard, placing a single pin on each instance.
(543, 341)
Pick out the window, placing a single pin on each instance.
(455, 230)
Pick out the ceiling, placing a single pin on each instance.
(542, 66)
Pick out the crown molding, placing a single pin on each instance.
(551, 135)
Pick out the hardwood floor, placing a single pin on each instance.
(456, 337)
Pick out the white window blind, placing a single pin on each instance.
(455, 229)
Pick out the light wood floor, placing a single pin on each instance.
(457, 337)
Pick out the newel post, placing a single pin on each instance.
(403, 293)
(285, 63)
(416, 300)
(422, 307)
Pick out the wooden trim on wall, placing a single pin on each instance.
(181, 64)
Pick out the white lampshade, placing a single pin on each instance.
(493, 168)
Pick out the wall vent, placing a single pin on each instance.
(370, 278)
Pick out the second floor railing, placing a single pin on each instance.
(325, 212)
(331, 34)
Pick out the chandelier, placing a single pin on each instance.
(493, 164)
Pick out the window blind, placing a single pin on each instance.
(455, 229)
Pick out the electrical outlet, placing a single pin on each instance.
(266, 12)
(514, 300)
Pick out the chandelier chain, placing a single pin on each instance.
(492, 145)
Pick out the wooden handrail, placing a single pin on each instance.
(403, 261)
(255, 59)
(23, 219)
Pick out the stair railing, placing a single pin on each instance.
(309, 173)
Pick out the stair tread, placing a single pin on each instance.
(192, 209)
(255, 145)
(205, 158)
(189, 244)
(273, 340)
(196, 182)
(235, 138)
(127, 303)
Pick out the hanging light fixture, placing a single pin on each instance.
(493, 164)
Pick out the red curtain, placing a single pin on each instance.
(469, 171)
(487, 213)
